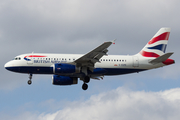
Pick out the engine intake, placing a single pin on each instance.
(63, 80)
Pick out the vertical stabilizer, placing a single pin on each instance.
(157, 45)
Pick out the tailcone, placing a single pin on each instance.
(169, 62)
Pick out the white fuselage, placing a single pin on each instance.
(39, 61)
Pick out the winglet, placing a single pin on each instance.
(113, 42)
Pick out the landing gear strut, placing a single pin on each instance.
(30, 77)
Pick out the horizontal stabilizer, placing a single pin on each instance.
(162, 58)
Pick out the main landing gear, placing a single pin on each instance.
(30, 77)
(86, 80)
(84, 86)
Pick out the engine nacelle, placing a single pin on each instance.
(63, 80)
(64, 68)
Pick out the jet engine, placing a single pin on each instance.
(64, 68)
(63, 80)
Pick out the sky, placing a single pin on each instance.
(77, 27)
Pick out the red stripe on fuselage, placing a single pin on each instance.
(164, 36)
(35, 56)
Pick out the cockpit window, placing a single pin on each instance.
(17, 58)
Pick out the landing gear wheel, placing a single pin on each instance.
(29, 82)
(86, 79)
(30, 77)
(84, 86)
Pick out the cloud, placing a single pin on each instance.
(124, 104)
(116, 104)
(37, 20)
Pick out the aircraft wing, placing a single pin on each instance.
(88, 60)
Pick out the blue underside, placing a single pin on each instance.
(97, 71)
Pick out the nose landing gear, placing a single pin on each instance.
(29, 81)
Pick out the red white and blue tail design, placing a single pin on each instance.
(157, 45)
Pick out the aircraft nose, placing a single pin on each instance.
(8, 65)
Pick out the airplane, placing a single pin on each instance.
(68, 68)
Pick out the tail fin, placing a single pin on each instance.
(157, 45)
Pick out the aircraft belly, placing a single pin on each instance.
(32, 69)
